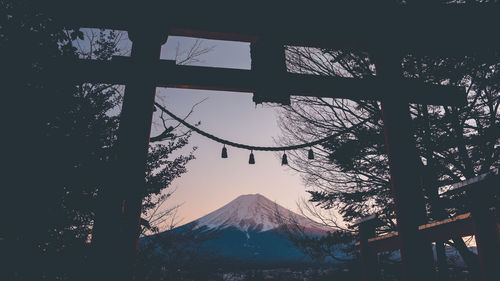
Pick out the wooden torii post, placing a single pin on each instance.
(117, 226)
(400, 28)
(416, 253)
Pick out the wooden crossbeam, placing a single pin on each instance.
(388, 242)
(457, 226)
(484, 181)
(167, 74)
(371, 26)
(441, 230)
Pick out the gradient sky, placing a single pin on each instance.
(212, 181)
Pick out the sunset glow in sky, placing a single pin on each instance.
(211, 181)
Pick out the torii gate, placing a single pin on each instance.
(386, 32)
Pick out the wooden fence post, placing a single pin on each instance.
(369, 258)
(487, 231)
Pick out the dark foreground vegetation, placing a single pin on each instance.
(60, 141)
(62, 154)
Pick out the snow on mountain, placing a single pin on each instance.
(245, 231)
(254, 212)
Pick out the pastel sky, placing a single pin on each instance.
(212, 181)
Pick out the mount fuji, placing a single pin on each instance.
(256, 213)
(248, 229)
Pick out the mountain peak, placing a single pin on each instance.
(250, 196)
(254, 212)
(251, 199)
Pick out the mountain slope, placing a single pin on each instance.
(256, 213)
(247, 229)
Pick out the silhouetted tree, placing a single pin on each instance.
(350, 174)
(62, 144)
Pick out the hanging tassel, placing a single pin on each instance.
(310, 154)
(284, 160)
(251, 160)
(224, 152)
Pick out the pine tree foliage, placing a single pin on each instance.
(65, 141)
(350, 173)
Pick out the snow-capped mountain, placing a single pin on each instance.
(254, 212)
(246, 230)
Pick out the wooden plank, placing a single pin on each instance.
(458, 226)
(167, 74)
(368, 219)
(437, 29)
(488, 180)
(388, 242)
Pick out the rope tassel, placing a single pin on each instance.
(310, 154)
(251, 160)
(284, 160)
(224, 152)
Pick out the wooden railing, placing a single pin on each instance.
(482, 221)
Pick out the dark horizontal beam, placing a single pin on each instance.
(371, 219)
(388, 242)
(458, 226)
(452, 29)
(167, 74)
(484, 181)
